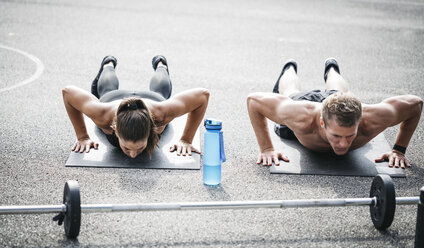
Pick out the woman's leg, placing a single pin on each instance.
(160, 85)
(108, 81)
(109, 59)
(160, 82)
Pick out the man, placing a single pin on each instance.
(331, 120)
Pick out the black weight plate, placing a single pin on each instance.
(383, 213)
(72, 200)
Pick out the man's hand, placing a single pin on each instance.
(395, 158)
(269, 156)
(183, 148)
(84, 144)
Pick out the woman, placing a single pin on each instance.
(133, 120)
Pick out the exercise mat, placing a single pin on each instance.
(359, 162)
(108, 156)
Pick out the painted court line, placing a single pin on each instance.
(37, 74)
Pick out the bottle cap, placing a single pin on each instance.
(212, 123)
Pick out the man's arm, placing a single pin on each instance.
(194, 102)
(277, 108)
(406, 111)
(78, 102)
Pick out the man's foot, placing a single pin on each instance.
(330, 63)
(105, 61)
(289, 63)
(159, 60)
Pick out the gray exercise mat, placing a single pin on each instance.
(111, 157)
(359, 162)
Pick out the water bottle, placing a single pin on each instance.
(213, 152)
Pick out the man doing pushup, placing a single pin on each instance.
(331, 120)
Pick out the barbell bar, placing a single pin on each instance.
(382, 203)
(93, 208)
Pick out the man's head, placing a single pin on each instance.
(340, 116)
(135, 128)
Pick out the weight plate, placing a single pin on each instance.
(72, 200)
(383, 212)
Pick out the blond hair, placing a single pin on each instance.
(344, 107)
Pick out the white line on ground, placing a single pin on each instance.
(37, 74)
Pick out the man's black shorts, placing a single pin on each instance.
(313, 96)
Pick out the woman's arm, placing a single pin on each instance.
(194, 102)
(78, 102)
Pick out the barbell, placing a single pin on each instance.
(382, 202)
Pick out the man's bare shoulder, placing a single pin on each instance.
(303, 117)
(390, 106)
(389, 112)
(375, 118)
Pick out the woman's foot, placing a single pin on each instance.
(160, 60)
(105, 62)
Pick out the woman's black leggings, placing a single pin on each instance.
(108, 86)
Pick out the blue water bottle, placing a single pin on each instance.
(213, 152)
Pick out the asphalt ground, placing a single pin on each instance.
(232, 48)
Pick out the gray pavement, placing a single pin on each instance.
(232, 48)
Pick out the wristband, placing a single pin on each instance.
(399, 148)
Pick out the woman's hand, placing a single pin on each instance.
(183, 148)
(84, 144)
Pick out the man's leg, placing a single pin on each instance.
(288, 83)
(332, 77)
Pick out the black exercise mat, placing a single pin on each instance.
(359, 162)
(111, 157)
